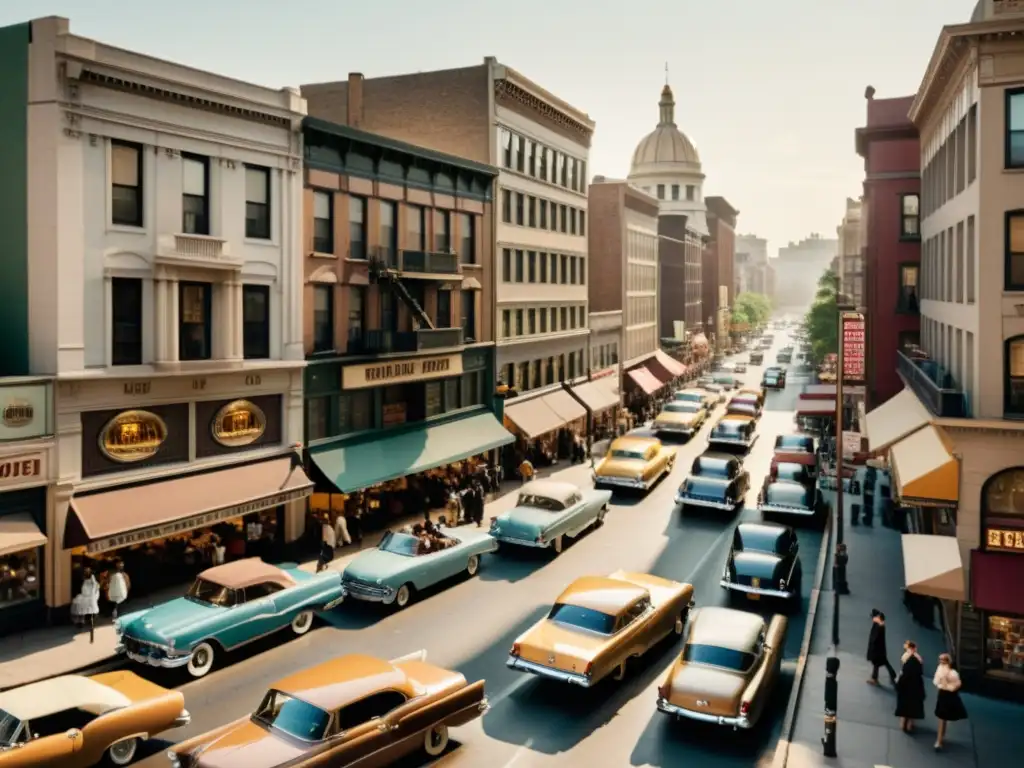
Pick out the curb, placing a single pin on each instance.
(788, 723)
(108, 664)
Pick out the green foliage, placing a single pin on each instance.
(822, 320)
(752, 308)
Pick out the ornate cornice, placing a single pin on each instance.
(507, 91)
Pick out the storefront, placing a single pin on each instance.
(642, 390)
(545, 424)
(668, 371)
(600, 396)
(815, 416)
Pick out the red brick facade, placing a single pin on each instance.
(720, 253)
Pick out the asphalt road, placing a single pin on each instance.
(471, 624)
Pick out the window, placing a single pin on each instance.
(519, 266)
(388, 233)
(960, 263)
(910, 221)
(1014, 385)
(323, 222)
(257, 202)
(531, 211)
(195, 194)
(675, 191)
(583, 271)
(564, 271)
(563, 215)
(323, 318)
(506, 323)
(1014, 251)
(416, 226)
(572, 270)
(1015, 129)
(126, 183)
(572, 221)
(542, 259)
(468, 299)
(531, 165)
(519, 322)
(506, 264)
(972, 144)
(318, 411)
(554, 267)
(256, 321)
(472, 388)
(376, 705)
(443, 317)
(126, 316)
(691, 192)
(544, 321)
(574, 174)
(908, 298)
(531, 321)
(564, 318)
(543, 217)
(520, 205)
(467, 238)
(520, 152)
(506, 206)
(505, 136)
(531, 264)
(970, 260)
(356, 311)
(583, 222)
(442, 231)
(661, 191)
(542, 162)
(559, 177)
(356, 227)
(194, 325)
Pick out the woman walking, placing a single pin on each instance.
(948, 707)
(910, 688)
(86, 604)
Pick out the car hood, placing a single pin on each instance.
(172, 619)
(674, 417)
(622, 467)
(721, 689)
(528, 518)
(373, 564)
(248, 746)
(757, 565)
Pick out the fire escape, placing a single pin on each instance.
(390, 278)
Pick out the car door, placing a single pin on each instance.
(409, 721)
(56, 750)
(268, 603)
(241, 621)
(578, 513)
(366, 736)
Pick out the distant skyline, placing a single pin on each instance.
(769, 93)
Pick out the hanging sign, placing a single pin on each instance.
(853, 338)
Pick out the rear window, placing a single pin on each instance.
(794, 443)
(794, 472)
(711, 466)
(706, 486)
(730, 427)
(758, 539)
(583, 618)
(788, 493)
(621, 453)
(682, 407)
(713, 656)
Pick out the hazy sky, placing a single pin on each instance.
(770, 91)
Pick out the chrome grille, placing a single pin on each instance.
(358, 587)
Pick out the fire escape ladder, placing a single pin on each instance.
(381, 274)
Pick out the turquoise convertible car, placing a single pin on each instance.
(403, 565)
(226, 607)
(548, 512)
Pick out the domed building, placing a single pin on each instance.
(666, 165)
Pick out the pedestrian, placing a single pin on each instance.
(118, 587)
(526, 471)
(328, 542)
(910, 688)
(354, 517)
(876, 648)
(948, 707)
(341, 535)
(86, 604)
(478, 504)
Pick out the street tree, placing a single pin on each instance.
(822, 320)
(752, 308)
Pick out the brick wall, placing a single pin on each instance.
(605, 247)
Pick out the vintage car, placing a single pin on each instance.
(402, 564)
(680, 417)
(741, 367)
(726, 380)
(74, 721)
(756, 357)
(785, 356)
(728, 668)
(634, 462)
(727, 366)
(599, 624)
(226, 607)
(764, 562)
(547, 512)
(779, 498)
(744, 405)
(351, 711)
(699, 397)
(792, 471)
(774, 378)
(750, 391)
(716, 481)
(734, 431)
(794, 443)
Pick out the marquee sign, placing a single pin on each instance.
(854, 340)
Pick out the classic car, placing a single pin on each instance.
(774, 378)
(779, 498)
(598, 624)
(699, 397)
(715, 392)
(403, 564)
(755, 392)
(74, 721)
(728, 668)
(764, 562)
(226, 607)
(726, 367)
(716, 481)
(680, 417)
(734, 431)
(792, 471)
(756, 357)
(740, 367)
(744, 405)
(547, 512)
(351, 711)
(794, 443)
(634, 462)
(785, 356)
(726, 380)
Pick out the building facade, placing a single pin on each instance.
(719, 267)
(798, 267)
(850, 264)
(162, 287)
(754, 271)
(494, 115)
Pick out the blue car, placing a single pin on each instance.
(227, 606)
(404, 564)
(547, 512)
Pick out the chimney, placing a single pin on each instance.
(355, 100)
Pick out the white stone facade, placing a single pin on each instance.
(640, 310)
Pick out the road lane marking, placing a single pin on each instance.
(520, 752)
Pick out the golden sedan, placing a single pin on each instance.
(727, 670)
(634, 462)
(679, 417)
(598, 624)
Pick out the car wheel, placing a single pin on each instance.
(302, 622)
(558, 544)
(123, 752)
(473, 565)
(202, 659)
(404, 596)
(435, 740)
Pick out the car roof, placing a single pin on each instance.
(717, 456)
(601, 593)
(343, 680)
(737, 417)
(245, 573)
(726, 628)
(549, 489)
(691, 391)
(57, 694)
(633, 441)
(764, 529)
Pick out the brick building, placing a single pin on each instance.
(718, 270)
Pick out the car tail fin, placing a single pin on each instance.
(420, 655)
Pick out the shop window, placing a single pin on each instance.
(126, 183)
(323, 318)
(257, 202)
(323, 221)
(1014, 266)
(194, 326)
(452, 394)
(195, 195)
(908, 299)
(318, 415)
(355, 412)
(1013, 384)
(126, 318)
(1004, 647)
(434, 399)
(20, 576)
(256, 321)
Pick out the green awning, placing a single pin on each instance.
(416, 449)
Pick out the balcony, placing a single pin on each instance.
(933, 385)
(379, 342)
(445, 265)
(196, 251)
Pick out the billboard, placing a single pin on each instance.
(853, 338)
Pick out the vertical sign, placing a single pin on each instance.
(853, 340)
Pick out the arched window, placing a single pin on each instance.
(1002, 510)
(1013, 385)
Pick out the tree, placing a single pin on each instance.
(822, 320)
(751, 308)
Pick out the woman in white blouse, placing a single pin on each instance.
(948, 706)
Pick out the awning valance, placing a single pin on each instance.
(18, 533)
(924, 470)
(932, 567)
(597, 395)
(819, 392)
(815, 407)
(670, 364)
(533, 417)
(562, 403)
(645, 380)
(409, 451)
(899, 416)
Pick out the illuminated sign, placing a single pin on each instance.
(852, 337)
(238, 423)
(1004, 539)
(133, 436)
(18, 413)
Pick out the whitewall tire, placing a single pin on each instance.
(203, 656)
(302, 622)
(473, 565)
(435, 740)
(403, 597)
(123, 752)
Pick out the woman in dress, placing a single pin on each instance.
(86, 604)
(910, 688)
(948, 707)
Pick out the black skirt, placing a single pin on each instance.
(950, 707)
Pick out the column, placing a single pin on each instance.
(108, 320)
(172, 320)
(58, 560)
(160, 330)
(238, 346)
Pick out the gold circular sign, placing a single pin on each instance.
(133, 436)
(238, 423)
(18, 413)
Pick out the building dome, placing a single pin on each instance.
(666, 144)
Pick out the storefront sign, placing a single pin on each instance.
(853, 339)
(851, 444)
(132, 436)
(24, 411)
(16, 470)
(204, 520)
(1003, 539)
(400, 371)
(238, 423)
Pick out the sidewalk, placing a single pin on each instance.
(868, 734)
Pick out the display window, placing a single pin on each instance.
(1004, 647)
(19, 577)
(1003, 512)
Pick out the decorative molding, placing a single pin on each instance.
(225, 162)
(505, 90)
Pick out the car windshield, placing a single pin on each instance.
(399, 544)
(682, 407)
(210, 593)
(688, 397)
(583, 618)
(293, 716)
(792, 443)
(9, 726)
(625, 453)
(788, 493)
(714, 656)
(706, 486)
(539, 502)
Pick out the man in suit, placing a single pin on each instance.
(876, 648)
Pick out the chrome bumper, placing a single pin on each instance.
(520, 542)
(727, 441)
(680, 499)
(747, 589)
(387, 599)
(514, 662)
(620, 482)
(671, 709)
(774, 510)
(164, 662)
(672, 429)
(183, 719)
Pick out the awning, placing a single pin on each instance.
(924, 471)
(660, 372)
(819, 392)
(386, 456)
(562, 403)
(596, 395)
(113, 519)
(533, 417)
(644, 379)
(995, 582)
(932, 567)
(811, 407)
(899, 416)
(18, 533)
(670, 364)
